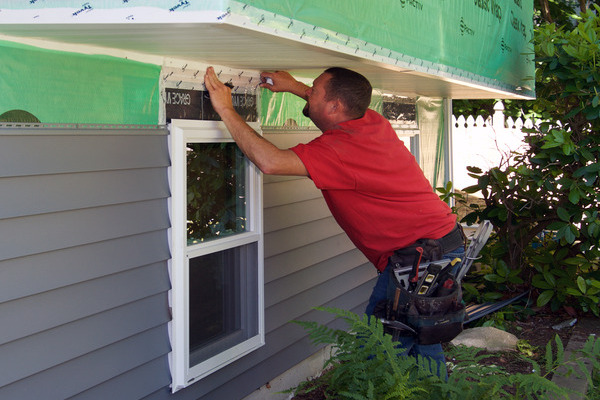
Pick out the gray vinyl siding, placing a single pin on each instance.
(83, 261)
(84, 269)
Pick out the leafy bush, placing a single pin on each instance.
(544, 203)
(365, 365)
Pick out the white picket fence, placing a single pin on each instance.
(484, 143)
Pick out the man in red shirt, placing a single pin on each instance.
(371, 182)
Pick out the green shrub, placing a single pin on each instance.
(544, 202)
(364, 364)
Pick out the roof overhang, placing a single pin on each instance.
(238, 42)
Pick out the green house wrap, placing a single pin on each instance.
(482, 40)
(62, 87)
(472, 45)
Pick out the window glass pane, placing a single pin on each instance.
(222, 300)
(216, 191)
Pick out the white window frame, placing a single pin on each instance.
(181, 133)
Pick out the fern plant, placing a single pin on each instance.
(365, 364)
(366, 361)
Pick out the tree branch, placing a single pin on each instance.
(545, 7)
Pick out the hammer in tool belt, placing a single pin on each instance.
(413, 278)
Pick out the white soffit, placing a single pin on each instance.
(238, 43)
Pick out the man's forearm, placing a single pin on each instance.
(264, 154)
(300, 90)
(254, 146)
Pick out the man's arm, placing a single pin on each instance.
(282, 81)
(265, 155)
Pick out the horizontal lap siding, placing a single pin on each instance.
(84, 279)
(22, 194)
(83, 262)
(309, 260)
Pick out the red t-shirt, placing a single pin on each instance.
(374, 187)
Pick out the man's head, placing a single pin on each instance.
(338, 90)
(351, 88)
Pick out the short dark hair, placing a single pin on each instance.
(351, 88)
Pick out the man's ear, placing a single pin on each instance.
(335, 106)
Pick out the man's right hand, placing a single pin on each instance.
(283, 81)
(220, 95)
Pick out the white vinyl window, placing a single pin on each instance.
(216, 251)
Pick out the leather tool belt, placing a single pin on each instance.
(431, 319)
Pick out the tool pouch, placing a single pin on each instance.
(433, 319)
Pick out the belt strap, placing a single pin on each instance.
(433, 249)
(453, 240)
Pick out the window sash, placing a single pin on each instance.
(221, 170)
(183, 374)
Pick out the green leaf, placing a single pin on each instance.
(574, 196)
(560, 349)
(471, 289)
(595, 283)
(475, 170)
(568, 148)
(559, 136)
(563, 214)
(493, 278)
(561, 253)
(556, 225)
(550, 145)
(549, 356)
(503, 214)
(517, 280)
(472, 189)
(593, 229)
(502, 268)
(548, 48)
(549, 278)
(544, 297)
(568, 232)
(581, 284)
(540, 283)
(492, 296)
(592, 291)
